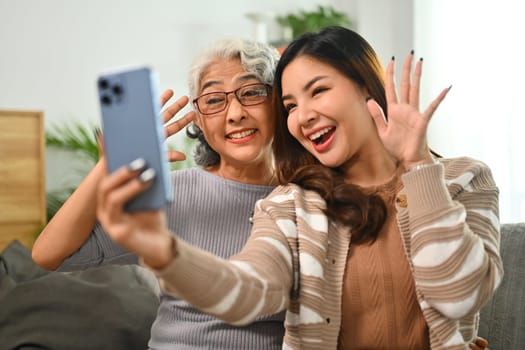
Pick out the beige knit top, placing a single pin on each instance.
(379, 308)
(448, 218)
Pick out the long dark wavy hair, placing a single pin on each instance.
(350, 54)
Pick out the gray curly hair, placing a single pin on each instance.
(257, 58)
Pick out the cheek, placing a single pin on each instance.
(293, 127)
(210, 129)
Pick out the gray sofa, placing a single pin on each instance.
(502, 320)
(25, 323)
(104, 308)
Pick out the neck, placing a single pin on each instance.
(373, 171)
(254, 174)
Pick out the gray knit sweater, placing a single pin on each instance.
(211, 213)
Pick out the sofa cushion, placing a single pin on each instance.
(502, 320)
(108, 307)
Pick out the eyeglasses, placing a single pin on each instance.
(247, 95)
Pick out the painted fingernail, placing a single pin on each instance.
(393, 58)
(421, 59)
(412, 51)
(147, 175)
(137, 164)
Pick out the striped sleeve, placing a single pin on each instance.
(454, 234)
(253, 283)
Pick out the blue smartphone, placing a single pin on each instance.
(132, 128)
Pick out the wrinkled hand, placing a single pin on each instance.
(172, 128)
(143, 233)
(405, 133)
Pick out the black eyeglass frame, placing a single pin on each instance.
(267, 87)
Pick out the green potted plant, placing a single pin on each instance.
(76, 138)
(295, 24)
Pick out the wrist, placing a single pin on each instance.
(165, 254)
(420, 165)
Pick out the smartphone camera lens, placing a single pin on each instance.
(117, 90)
(106, 100)
(103, 83)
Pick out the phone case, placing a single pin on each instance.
(132, 128)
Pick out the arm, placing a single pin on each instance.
(255, 282)
(454, 236)
(71, 225)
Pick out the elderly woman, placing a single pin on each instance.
(233, 122)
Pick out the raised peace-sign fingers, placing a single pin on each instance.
(171, 128)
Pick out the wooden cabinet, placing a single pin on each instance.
(22, 176)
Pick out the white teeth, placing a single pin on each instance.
(319, 133)
(240, 135)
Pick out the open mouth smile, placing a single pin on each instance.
(241, 134)
(321, 136)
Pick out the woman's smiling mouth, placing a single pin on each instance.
(241, 136)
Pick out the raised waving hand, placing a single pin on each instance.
(404, 132)
(173, 127)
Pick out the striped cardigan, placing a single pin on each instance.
(295, 259)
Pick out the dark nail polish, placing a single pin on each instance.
(412, 51)
(393, 58)
(97, 132)
(421, 59)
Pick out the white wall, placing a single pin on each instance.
(386, 24)
(477, 46)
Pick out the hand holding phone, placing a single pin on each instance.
(132, 129)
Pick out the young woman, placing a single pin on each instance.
(230, 87)
(370, 243)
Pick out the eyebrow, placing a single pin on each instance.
(307, 86)
(210, 83)
(242, 78)
(246, 77)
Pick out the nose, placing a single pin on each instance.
(234, 110)
(306, 115)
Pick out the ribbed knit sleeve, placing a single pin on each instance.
(454, 235)
(98, 249)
